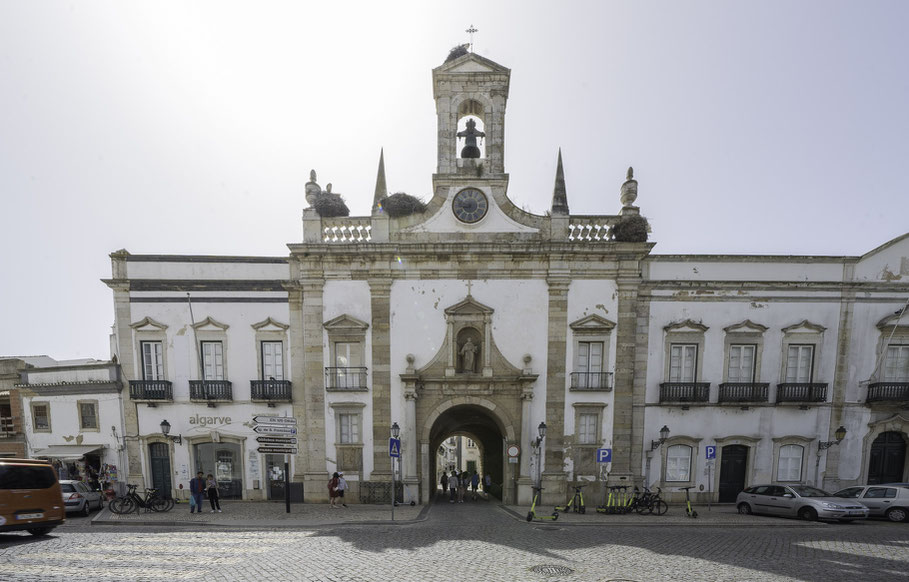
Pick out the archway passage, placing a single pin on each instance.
(480, 425)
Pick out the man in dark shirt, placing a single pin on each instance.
(196, 489)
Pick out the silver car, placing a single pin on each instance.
(79, 498)
(798, 501)
(888, 501)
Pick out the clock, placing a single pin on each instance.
(470, 205)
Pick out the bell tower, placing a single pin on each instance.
(470, 94)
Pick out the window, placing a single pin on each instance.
(896, 364)
(799, 364)
(88, 415)
(152, 361)
(347, 355)
(683, 360)
(590, 357)
(41, 416)
(272, 361)
(349, 427)
(587, 428)
(790, 463)
(741, 363)
(471, 444)
(678, 463)
(880, 493)
(212, 360)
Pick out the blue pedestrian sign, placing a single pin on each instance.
(711, 451)
(604, 455)
(394, 447)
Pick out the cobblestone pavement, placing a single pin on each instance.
(470, 541)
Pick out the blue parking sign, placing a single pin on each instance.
(604, 455)
(711, 451)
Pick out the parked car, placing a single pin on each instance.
(890, 501)
(79, 498)
(801, 501)
(30, 497)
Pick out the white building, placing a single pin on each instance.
(473, 318)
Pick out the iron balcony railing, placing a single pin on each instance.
(591, 380)
(345, 379)
(744, 392)
(888, 392)
(685, 392)
(210, 390)
(151, 390)
(801, 392)
(7, 426)
(270, 390)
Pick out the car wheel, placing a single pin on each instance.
(39, 531)
(86, 509)
(744, 509)
(897, 514)
(846, 520)
(808, 514)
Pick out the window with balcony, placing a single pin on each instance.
(800, 363)
(272, 360)
(591, 348)
(798, 380)
(347, 364)
(150, 383)
(152, 360)
(214, 385)
(212, 360)
(88, 415)
(744, 343)
(896, 364)
(683, 362)
(741, 363)
(892, 368)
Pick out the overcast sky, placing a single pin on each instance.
(190, 127)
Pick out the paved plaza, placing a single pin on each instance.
(480, 541)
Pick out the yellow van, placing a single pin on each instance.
(30, 496)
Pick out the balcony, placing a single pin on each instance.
(270, 390)
(590, 381)
(801, 392)
(888, 392)
(743, 392)
(352, 379)
(684, 392)
(151, 390)
(210, 391)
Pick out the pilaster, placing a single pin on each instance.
(840, 379)
(553, 473)
(306, 314)
(126, 355)
(380, 302)
(623, 391)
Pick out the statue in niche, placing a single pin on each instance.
(469, 351)
(470, 136)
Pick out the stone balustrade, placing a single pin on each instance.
(348, 229)
(591, 228)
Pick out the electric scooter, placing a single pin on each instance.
(688, 511)
(532, 514)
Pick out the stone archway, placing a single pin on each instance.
(481, 420)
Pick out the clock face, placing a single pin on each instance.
(470, 205)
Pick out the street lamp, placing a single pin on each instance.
(165, 430)
(395, 433)
(839, 435)
(538, 446)
(664, 434)
(395, 430)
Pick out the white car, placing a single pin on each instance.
(78, 498)
(801, 501)
(890, 501)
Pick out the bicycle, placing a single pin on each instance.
(132, 502)
(652, 502)
(576, 503)
(532, 514)
(688, 511)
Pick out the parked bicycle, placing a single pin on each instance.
(651, 502)
(133, 502)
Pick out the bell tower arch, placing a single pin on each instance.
(470, 94)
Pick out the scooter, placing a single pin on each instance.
(532, 514)
(688, 511)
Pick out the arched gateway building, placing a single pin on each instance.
(471, 317)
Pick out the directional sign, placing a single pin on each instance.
(711, 451)
(277, 450)
(275, 429)
(394, 447)
(285, 440)
(604, 455)
(283, 420)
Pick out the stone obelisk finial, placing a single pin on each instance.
(381, 188)
(559, 195)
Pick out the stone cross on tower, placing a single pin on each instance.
(469, 285)
(470, 31)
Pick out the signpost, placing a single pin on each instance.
(282, 442)
(710, 453)
(604, 455)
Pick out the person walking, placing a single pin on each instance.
(444, 481)
(487, 481)
(342, 487)
(453, 487)
(196, 489)
(475, 484)
(463, 480)
(333, 491)
(212, 486)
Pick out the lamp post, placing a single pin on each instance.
(165, 430)
(839, 435)
(538, 445)
(664, 434)
(395, 433)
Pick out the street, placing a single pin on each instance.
(480, 542)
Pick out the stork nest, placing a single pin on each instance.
(458, 51)
(400, 204)
(330, 205)
(631, 229)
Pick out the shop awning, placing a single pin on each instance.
(66, 452)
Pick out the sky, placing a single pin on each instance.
(771, 127)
